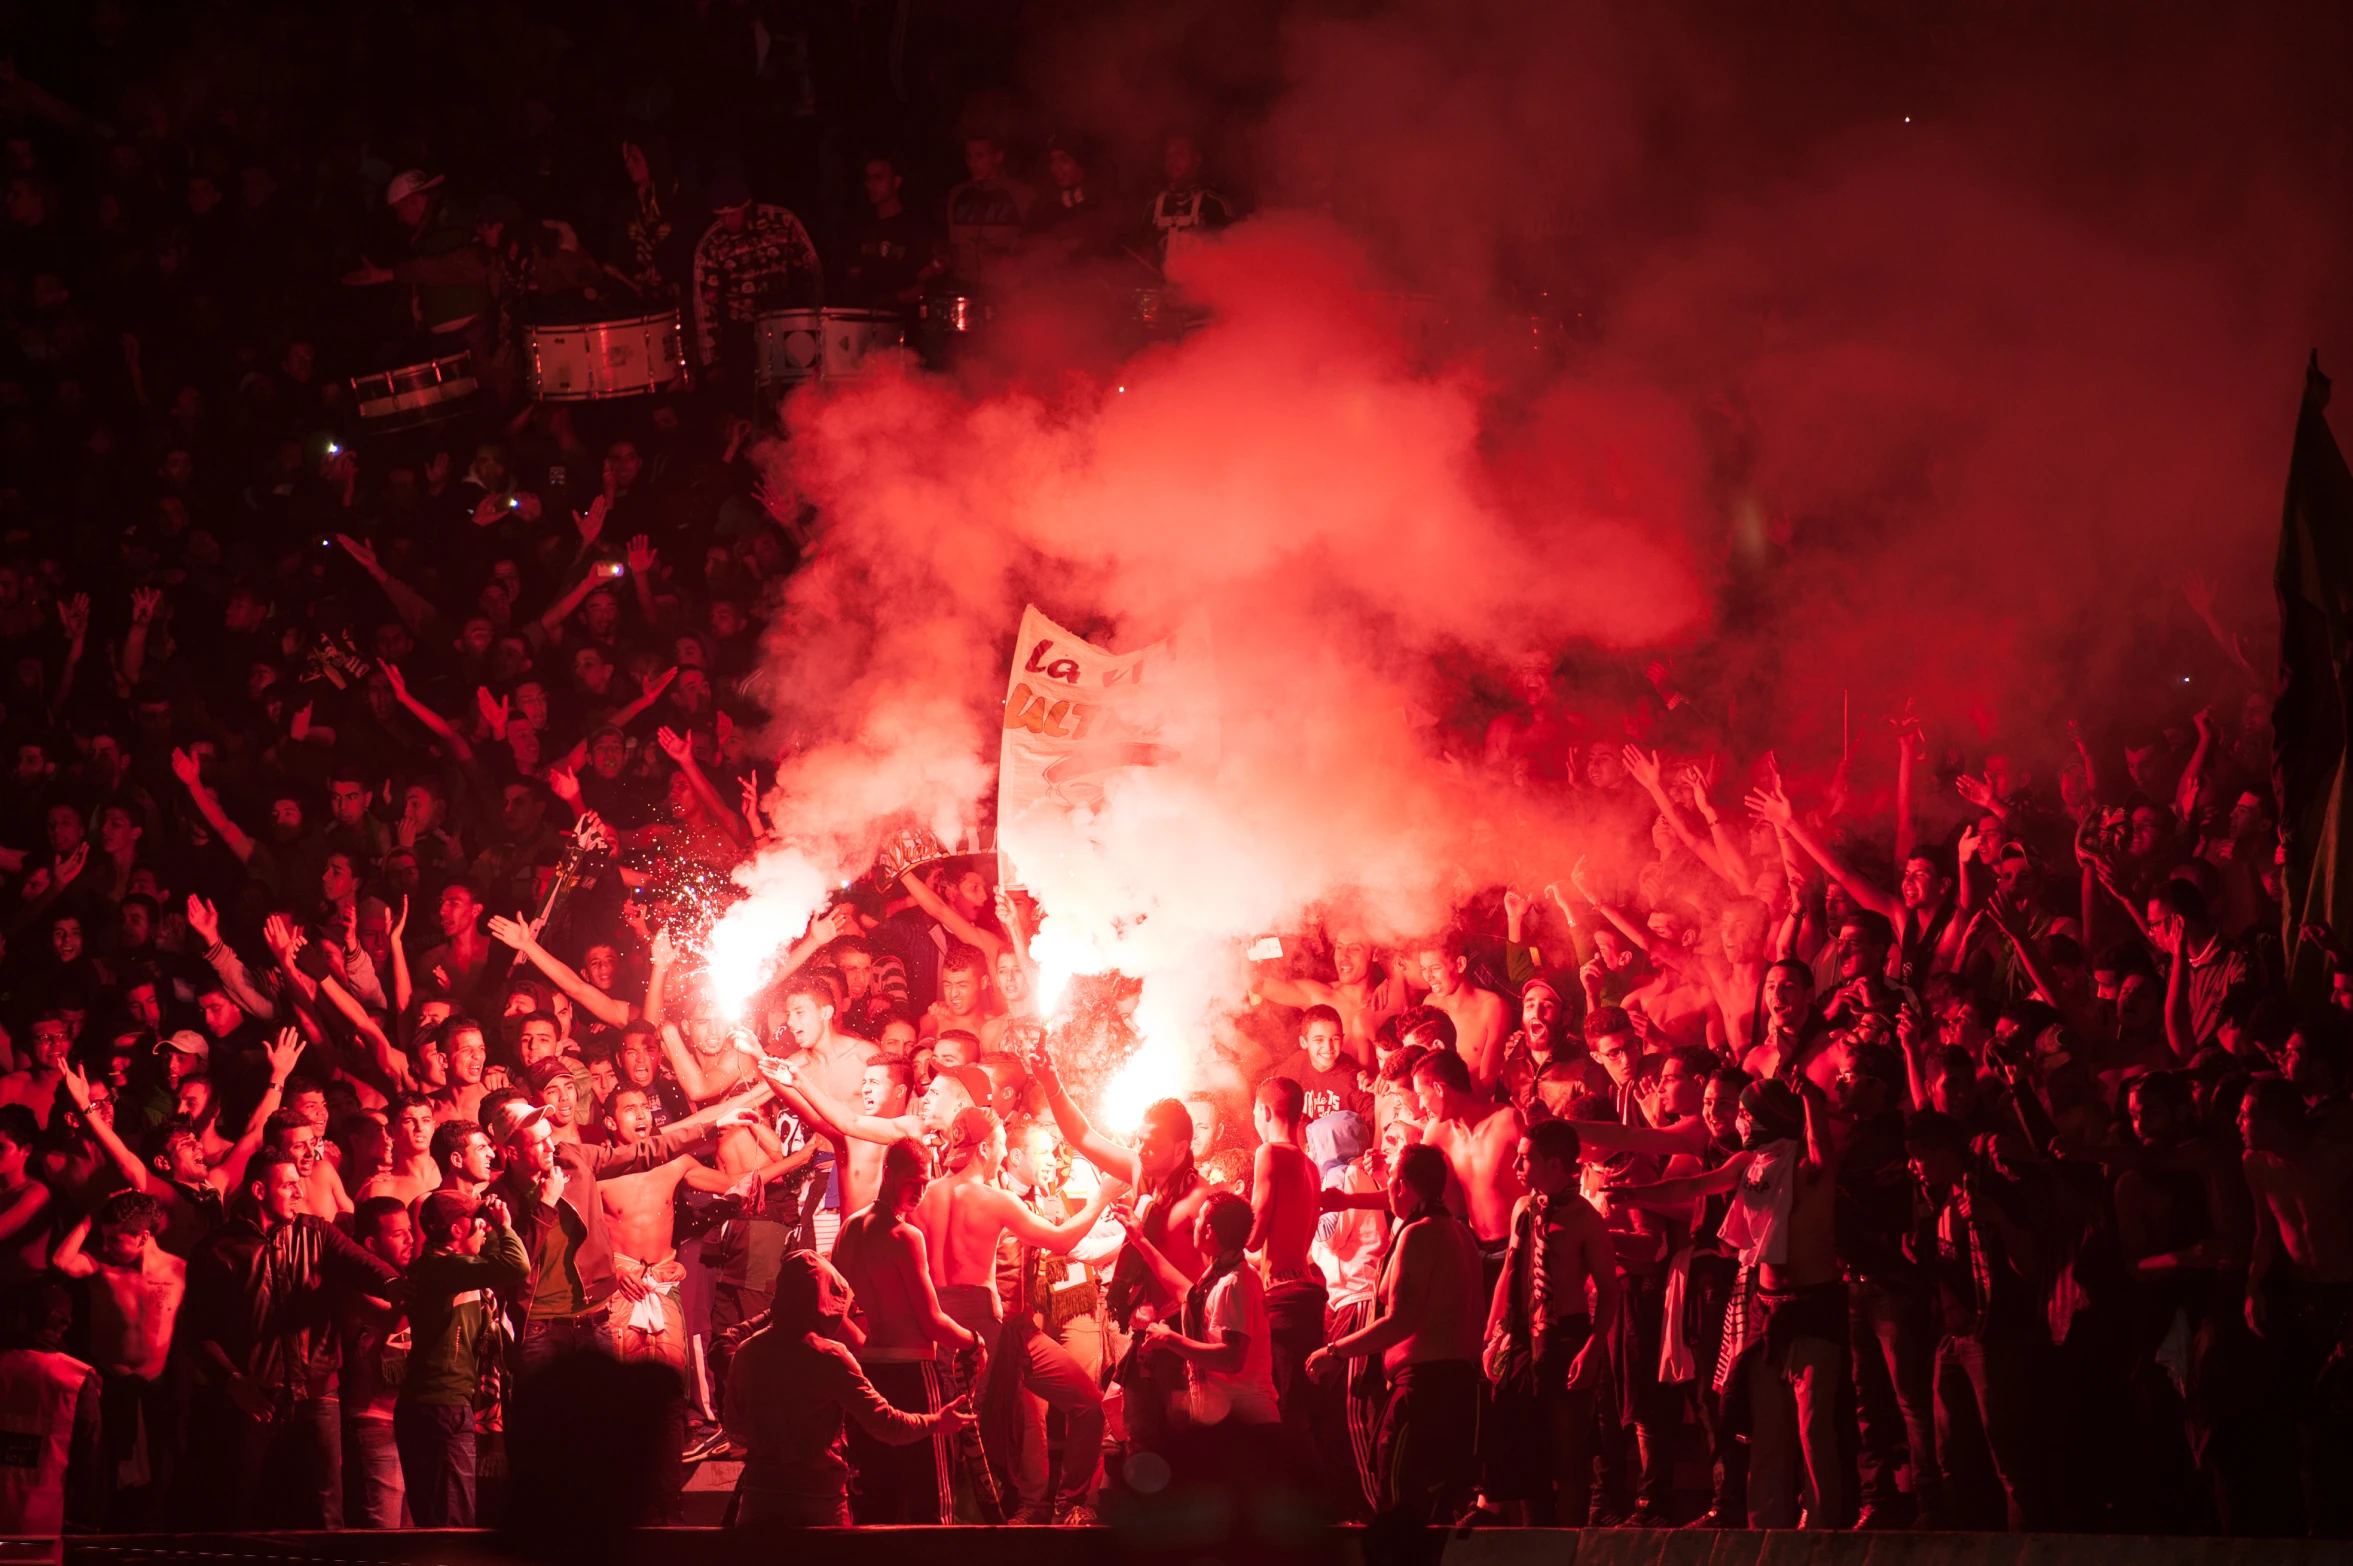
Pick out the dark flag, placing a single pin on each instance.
(2313, 716)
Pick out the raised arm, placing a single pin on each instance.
(1646, 770)
(680, 750)
(282, 1056)
(1771, 804)
(1076, 1129)
(407, 602)
(135, 1173)
(956, 924)
(69, 1257)
(516, 932)
(699, 1086)
(208, 805)
(440, 727)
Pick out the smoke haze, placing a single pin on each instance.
(1935, 408)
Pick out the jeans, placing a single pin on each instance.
(285, 1472)
(1793, 1415)
(1895, 1381)
(1985, 1406)
(547, 1338)
(436, 1443)
(371, 1475)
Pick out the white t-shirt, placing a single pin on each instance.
(1237, 1303)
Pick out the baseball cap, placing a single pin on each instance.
(1533, 985)
(187, 1041)
(976, 1082)
(407, 183)
(512, 1116)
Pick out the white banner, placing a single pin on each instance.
(1077, 716)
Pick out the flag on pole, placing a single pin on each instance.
(2313, 716)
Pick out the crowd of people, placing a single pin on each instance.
(1956, 1159)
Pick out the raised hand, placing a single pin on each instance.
(591, 522)
(513, 932)
(363, 554)
(74, 615)
(1977, 791)
(1770, 804)
(76, 1083)
(642, 555)
(1515, 907)
(494, 712)
(675, 745)
(777, 504)
(2204, 722)
(401, 924)
(437, 470)
(144, 602)
(723, 727)
(204, 921)
(590, 832)
(661, 682)
(298, 727)
(187, 768)
(1643, 769)
(283, 1055)
(279, 934)
(633, 161)
(1910, 737)
(71, 865)
(400, 687)
(2199, 590)
(488, 510)
(564, 783)
(1578, 882)
(665, 950)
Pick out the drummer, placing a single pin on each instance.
(753, 257)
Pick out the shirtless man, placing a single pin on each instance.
(1785, 1180)
(964, 995)
(1549, 1358)
(1481, 1020)
(640, 1221)
(467, 1158)
(1351, 991)
(1427, 1315)
(885, 1258)
(132, 1310)
(1161, 1238)
(965, 1213)
(34, 1084)
(413, 1170)
(1479, 1141)
(462, 1046)
(883, 1087)
(1283, 1216)
(323, 1196)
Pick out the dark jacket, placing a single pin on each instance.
(268, 1300)
(583, 1166)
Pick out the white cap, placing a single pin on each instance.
(406, 184)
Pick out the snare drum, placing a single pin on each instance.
(788, 346)
(589, 360)
(850, 335)
(954, 312)
(415, 393)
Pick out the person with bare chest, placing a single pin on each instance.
(1161, 1246)
(1479, 1140)
(1284, 1208)
(137, 1288)
(413, 1170)
(884, 1257)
